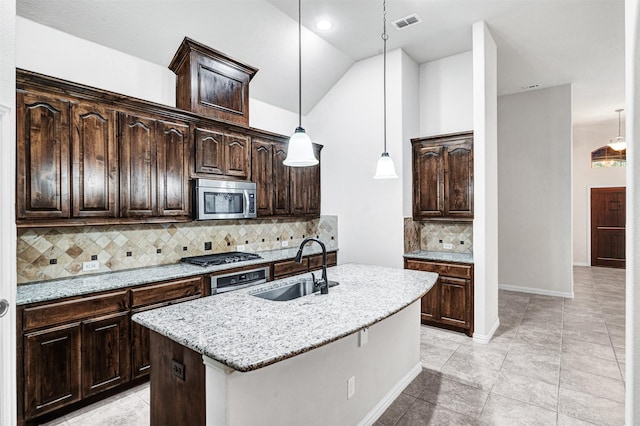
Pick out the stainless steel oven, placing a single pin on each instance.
(219, 199)
(221, 283)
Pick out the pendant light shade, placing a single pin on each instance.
(618, 144)
(385, 168)
(300, 150)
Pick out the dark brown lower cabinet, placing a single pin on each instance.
(105, 356)
(449, 304)
(52, 369)
(288, 268)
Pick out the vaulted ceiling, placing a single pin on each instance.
(546, 42)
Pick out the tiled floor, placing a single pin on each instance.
(553, 361)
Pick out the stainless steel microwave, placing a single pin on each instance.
(219, 199)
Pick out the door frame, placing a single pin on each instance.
(589, 236)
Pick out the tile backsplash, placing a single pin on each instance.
(50, 253)
(433, 236)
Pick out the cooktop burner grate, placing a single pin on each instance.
(220, 258)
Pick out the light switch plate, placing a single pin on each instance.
(94, 265)
(240, 247)
(447, 246)
(285, 244)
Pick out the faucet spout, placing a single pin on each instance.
(323, 283)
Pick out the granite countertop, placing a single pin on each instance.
(57, 289)
(245, 332)
(445, 256)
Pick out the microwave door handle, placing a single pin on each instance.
(245, 208)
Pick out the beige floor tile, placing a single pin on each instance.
(589, 364)
(620, 354)
(564, 420)
(527, 390)
(594, 385)
(590, 408)
(420, 383)
(423, 413)
(580, 347)
(396, 410)
(500, 411)
(434, 357)
(455, 396)
(460, 370)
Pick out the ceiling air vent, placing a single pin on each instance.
(407, 21)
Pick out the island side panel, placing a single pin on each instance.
(174, 400)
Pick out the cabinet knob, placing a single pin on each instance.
(4, 307)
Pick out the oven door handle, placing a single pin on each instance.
(238, 287)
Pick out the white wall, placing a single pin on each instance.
(485, 183)
(7, 213)
(446, 95)
(588, 138)
(632, 54)
(534, 155)
(410, 127)
(348, 121)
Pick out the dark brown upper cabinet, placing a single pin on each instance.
(443, 177)
(305, 188)
(222, 153)
(42, 157)
(211, 83)
(94, 160)
(173, 158)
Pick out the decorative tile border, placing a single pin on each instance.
(50, 253)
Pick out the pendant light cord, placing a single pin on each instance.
(385, 36)
(300, 63)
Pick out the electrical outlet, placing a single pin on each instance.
(177, 368)
(447, 246)
(351, 387)
(94, 265)
(285, 243)
(364, 336)
(240, 247)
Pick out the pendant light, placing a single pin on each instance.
(618, 144)
(385, 168)
(300, 151)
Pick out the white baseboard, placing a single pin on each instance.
(391, 396)
(486, 338)
(532, 290)
(580, 264)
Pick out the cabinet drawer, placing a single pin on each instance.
(74, 310)
(447, 269)
(289, 267)
(166, 291)
(315, 261)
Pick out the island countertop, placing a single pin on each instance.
(245, 332)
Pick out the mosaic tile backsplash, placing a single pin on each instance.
(50, 253)
(432, 236)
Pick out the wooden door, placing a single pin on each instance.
(138, 173)
(262, 175)
(237, 149)
(454, 301)
(458, 182)
(173, 169)
(428, 181)
(105, 353)
(42, 157)
(51, 369)
(209, 151)
(429, 304)
(281, 181)
(94, 161)
(608, 221)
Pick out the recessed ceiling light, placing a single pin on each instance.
(324, 25)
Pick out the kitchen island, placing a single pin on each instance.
(341, 358)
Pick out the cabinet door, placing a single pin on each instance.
(262, 173)
(429, 304)
(138, 173)
(105, 353)
(140, 357)
(173, 169)
(209, 151)
(42, 157)
(94, 161)
(52, 369)
(454, 302)
(313, 183)
(458, 187)
(236, 156)
(428, 181)
(299, 191)
(281, 181)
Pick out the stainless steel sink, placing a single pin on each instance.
(291, 291)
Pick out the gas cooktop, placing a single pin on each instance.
(220, 258)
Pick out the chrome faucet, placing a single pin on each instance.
(322, 283)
